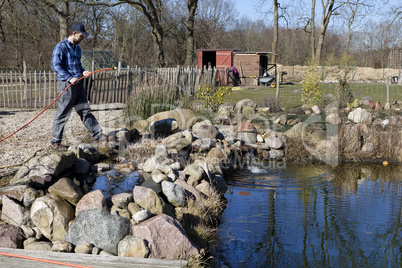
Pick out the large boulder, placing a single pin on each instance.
(238, 108)
(184, 117)
(53, 165)
(99, 228)
(360, 116)
(166, 238)
(51, 216)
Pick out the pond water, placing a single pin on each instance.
(112, 182)
(309, 216)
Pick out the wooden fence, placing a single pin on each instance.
(38, 89)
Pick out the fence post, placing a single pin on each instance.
(387, 81)
(277, 84)
(24, 77)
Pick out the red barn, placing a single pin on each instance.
(250, 66)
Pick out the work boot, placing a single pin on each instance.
(59, 147)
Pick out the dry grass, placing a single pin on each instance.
(200, 221)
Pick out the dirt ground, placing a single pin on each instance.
(358, 74)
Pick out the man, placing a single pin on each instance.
(66, 62)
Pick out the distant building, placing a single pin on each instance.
(248, 66)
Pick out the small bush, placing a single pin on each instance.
(343, 91)
(274, 106)
(211, 97)
(312, 92)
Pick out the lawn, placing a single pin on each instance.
(290, 94)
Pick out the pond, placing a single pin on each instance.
(312, 216)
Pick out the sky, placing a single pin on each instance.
(247, 8)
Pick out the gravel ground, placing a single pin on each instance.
(37, 135)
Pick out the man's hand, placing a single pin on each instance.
(73, 81)
(86, 73)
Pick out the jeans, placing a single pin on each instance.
(73, 97)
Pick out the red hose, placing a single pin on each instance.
(52, 103)
(42, 260)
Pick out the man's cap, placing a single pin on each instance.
(79, 27)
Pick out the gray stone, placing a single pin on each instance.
(150, 200)
(245, 102)
(174, 193)
(67, 190)
(82, 166)
(151, 163)
(206, 131)
(247, 137)
(274, 143)
(142, 215)
(29, 196)
(39, 246)
(13, 213)
(99, 228)
(53, 165)
(122, 200)
(276, 154)
(132, 246)
(15, 192)
(158, 176)
(161, 151)
(360, 115)
(62, 246)
(195, 171)
(84, 248)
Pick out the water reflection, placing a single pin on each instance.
(312, 217)
(113, 182)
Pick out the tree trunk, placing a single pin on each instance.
(154, 16)
(312, 31)
(192, 6)
(63, 19)
(276, 32)
(326, 15)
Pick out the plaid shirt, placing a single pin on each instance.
(66, 61)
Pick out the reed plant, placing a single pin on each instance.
(148, 99)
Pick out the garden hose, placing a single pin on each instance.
(101, 70)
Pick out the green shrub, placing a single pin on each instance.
(212, 97)
(311, 89)
(343, 91)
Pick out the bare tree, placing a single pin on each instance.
(214, 18)
(62, 9)
(353, 10)
(152, 10)
(192, 7)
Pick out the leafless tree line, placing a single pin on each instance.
(168, 32)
